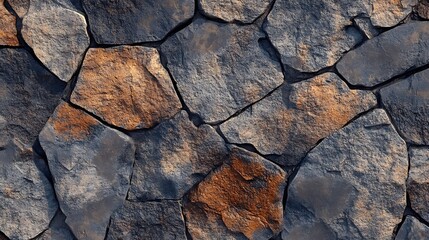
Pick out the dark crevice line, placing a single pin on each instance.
(187, 233)
(132, 172)
(108, 228)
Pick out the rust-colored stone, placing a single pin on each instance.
(8, 33)
(126, 86)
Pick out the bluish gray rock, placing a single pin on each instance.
(418, 181)
(412, 229)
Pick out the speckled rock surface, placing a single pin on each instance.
(8, 33)
(418, 181)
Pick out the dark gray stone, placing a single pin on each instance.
(418, 181)
(58, 229)
(412, 229)
(365, 25)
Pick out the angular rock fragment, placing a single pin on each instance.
(173, 157)
(8, 33)
(418, 181)
(388, 55)
(311, 35)
(352, 185)
(295, 117)
(58, 229)
(126, 86)
(408, 103)
(91, 166)
(57, 36)
(412, 229)
(220, 68)
(240, 200)
(237, 10)
(148, 220)
(423, 9)
(129, 21)
(365, 25)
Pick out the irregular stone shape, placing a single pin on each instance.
(418, 181)
(173, 157)
(352, 185)
(27, 198)
(129, 21)
(295, 117)
(148, 220)
(327, 32)
(58, 229)
(408, 103)
(365, 25)
(8, 33)
(220, 68)
(91, 165)
(423, 9)
(57, 36)
(412, 229)
(245, 11)
(21, 6)
(240, 200)
(388, 55)
(137, 91)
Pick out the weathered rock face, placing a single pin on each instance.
(387, 56)
(327, 31)
(57, 35)
(242, 199)
(8, 33)
(173, 157)
(412, 229)
(352, 185)
(408, 103)
(210, 63)
(21, 6)
(58, 229)
(423, 9)
(91, 165)
(136, 91)
(245, 11)
(295, 117)
(418, 181)
(129, 21)
(149, 220)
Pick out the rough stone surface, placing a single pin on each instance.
(418, 181)
(130, 21)
(423, 9)
(173, 157)
(8, 33)
(352, 185)
(326, 34)
(240, 200)
(149, 220)
(126, 86)
(245, 11)
(21, 6)
(295, 117)
(91, 165)
(220, 68)
(408, 103)
(388, 55)
(412, 229)
(58, 229)
(365, 25)
(57, 36)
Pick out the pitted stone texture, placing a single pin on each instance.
(126, 86)
(408, 103)
(240, 200)
(129, 21)
(412, 229)
(173, 157)
(91, 166)
(245, 11)
(352, 185)
(220, 68)
(295, 117)
(418, 181)
(57, 36)
(27, 198)
(148, 220)
(8, 33)
(388, 55)
(311, 35)
(58, 229)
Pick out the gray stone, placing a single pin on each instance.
(91, 166)
(311, 35)
(58, 229)
(295, 117)
(174, 156)
(418, 181)
(220, 68)
(245, 11)
(388, 55)
(57, 36)
(412, 229)
(130, 21)
(21, 6)
(365, 25)
(423, 9)
(408, 103)
(149, 220)
(352, 185)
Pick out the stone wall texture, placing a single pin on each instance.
(214, 119)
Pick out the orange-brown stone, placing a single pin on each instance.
(8, 33)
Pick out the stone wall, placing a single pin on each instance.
(223, 119)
